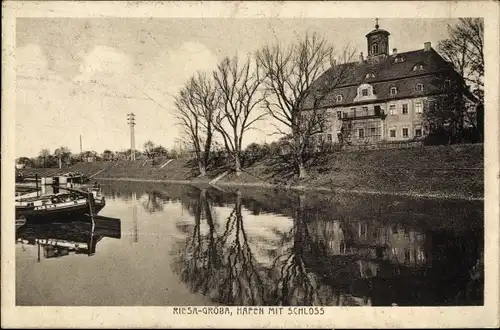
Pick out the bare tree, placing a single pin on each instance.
(464, 49)
(294, 93)
(148, 149)
(62, 155)
(44, 154)
(196, 107)
(238, 84)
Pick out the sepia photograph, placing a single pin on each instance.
(245, 165)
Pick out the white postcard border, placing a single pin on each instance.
(334, 317)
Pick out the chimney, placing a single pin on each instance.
(361, 58)
(394, 51)
(427, 46)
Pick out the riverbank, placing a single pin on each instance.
(444, 172)
(302, 188)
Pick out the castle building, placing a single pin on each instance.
(382, 97)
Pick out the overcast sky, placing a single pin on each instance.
(79, 76)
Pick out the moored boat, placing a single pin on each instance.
(71, 178)
(66, 204)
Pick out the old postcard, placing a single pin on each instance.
(250, 164)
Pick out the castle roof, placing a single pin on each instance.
(378, 31)
(384, 72)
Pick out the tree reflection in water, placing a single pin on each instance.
(221, 266)
(201, 259)
(154, 203)
(295, 284)
(241, 282)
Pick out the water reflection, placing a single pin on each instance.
(56, 239)
(216, 261)
(190, 246)
(154, 202)
(324, 254)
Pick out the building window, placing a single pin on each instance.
(404, 111)
(353, 111)
(378, 110)
(418, 67)
(329, 138)
(420, 87)
(392, 109)
(345, 114)
(361, 133)
(364, 92)
(338, 98)
(339, 115)
(407, 255)
(392, 133)
(418, 132)
(447, 83)
(418, 107)
(394, 90)
(372, 131)
(365, 111)
(405, 132)
(431, 105)
(375, 48)
(370, 75)
(398, 59)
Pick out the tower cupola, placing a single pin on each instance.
(378, 41)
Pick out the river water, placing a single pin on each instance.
(181, 245)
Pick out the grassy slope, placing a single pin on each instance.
(437, 170)
(432, 170)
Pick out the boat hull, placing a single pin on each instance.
(56, 213)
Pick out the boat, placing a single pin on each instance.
(68, 203)
(71, 177)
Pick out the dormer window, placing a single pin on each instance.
(399, 59)
(393, 91)
(365, 92)
(370, 75)
(418, 67)
(420, 88)
(338, 98)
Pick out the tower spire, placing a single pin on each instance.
(376, 23)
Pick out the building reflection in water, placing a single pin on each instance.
(319, 258)
(62, 238)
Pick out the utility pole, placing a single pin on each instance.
(131, 123)
(81, 149)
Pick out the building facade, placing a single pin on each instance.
(382, 97)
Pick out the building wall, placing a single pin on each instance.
(412, 121)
